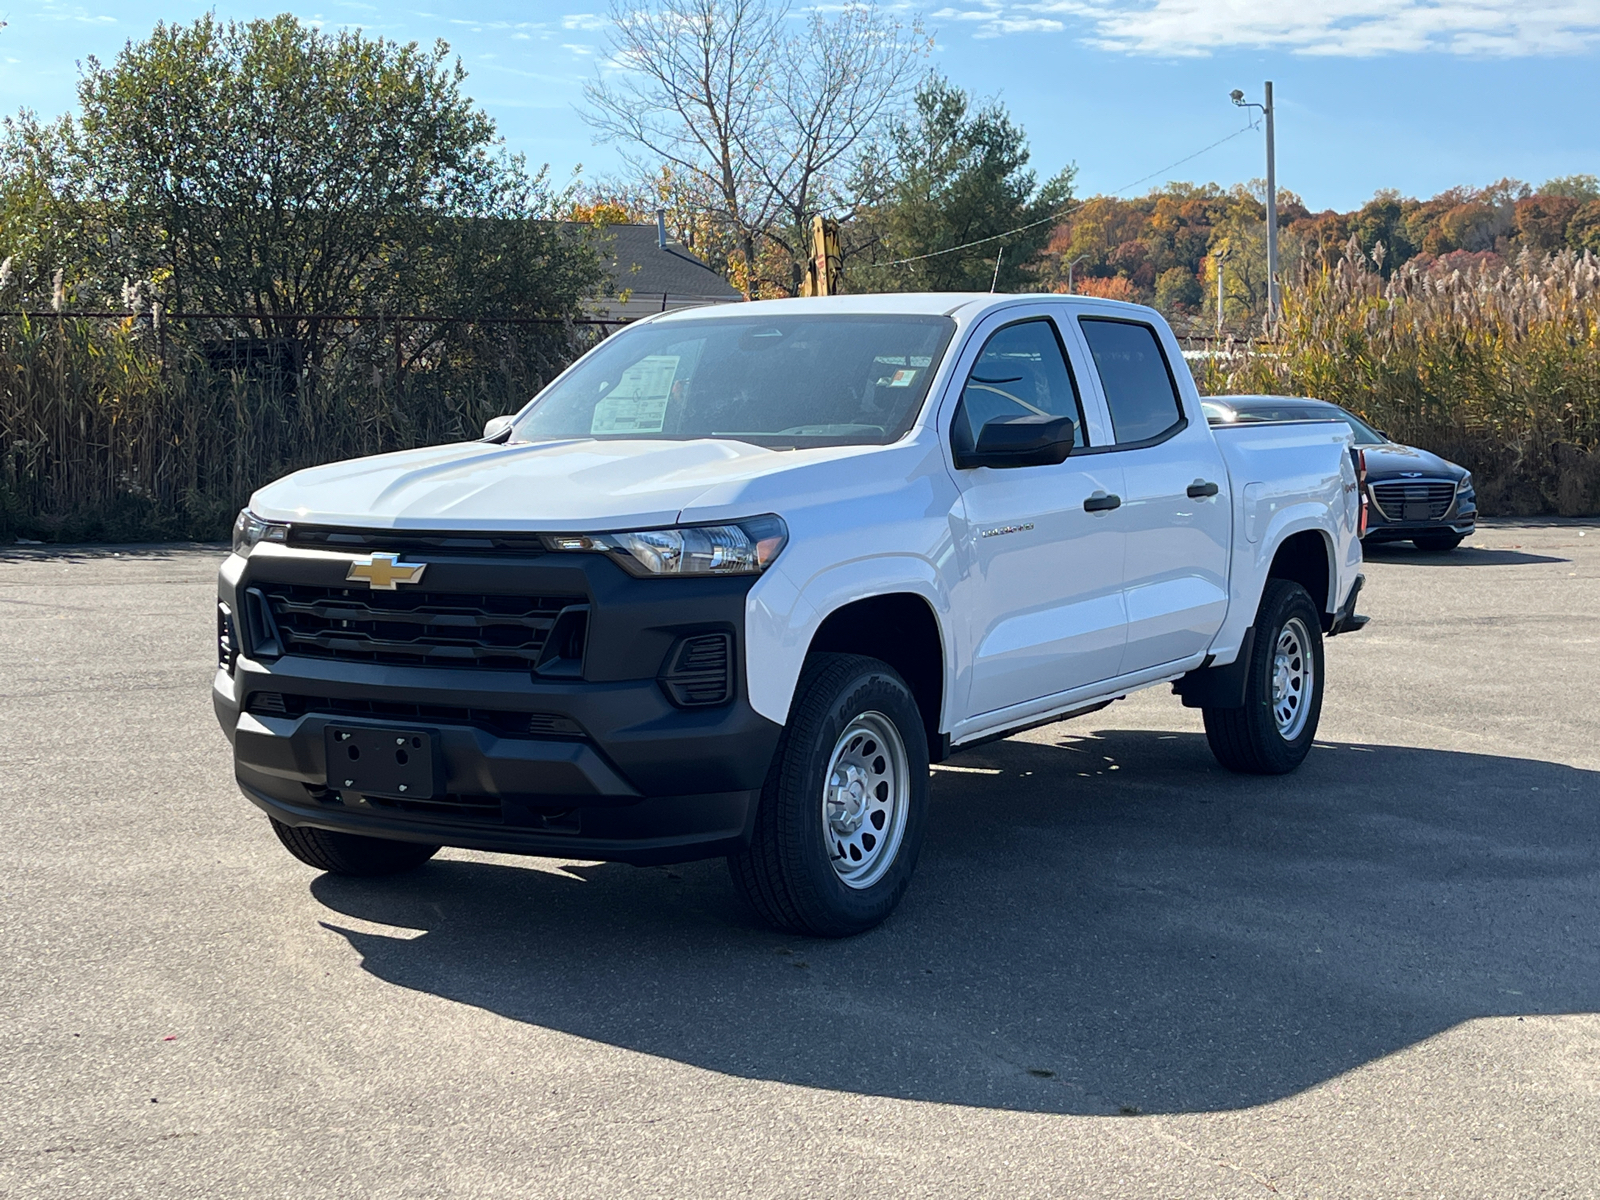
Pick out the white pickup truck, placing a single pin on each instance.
(730, 583)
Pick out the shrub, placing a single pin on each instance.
(120, 431)
(1498, 369)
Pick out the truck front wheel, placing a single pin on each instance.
(841, 814)
(350, 853)
(1272, 733)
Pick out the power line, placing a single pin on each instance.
(1071, 208)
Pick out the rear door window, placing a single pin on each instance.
(1136, 379)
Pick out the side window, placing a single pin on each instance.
(1137, 380)
(1022, 371)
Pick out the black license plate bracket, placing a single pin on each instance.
(398, 763)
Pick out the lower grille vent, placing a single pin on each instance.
(446, 808)
(700, 671)
(496, 721)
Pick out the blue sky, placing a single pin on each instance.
(1417, 95)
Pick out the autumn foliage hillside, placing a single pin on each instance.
(1164, 248)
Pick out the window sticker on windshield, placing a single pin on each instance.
(638, 404)
(902, 378)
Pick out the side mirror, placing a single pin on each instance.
(1021, 442)
(495, 427)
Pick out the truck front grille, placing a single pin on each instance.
(414, 628)
(1414, 500)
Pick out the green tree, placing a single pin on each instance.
(1178, 291)
(1583, 230)
(1581, 188)
(272, 170)
(960, 175)
(1381, 220)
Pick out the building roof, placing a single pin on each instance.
(656, 279)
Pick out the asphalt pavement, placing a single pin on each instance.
(1120, 970)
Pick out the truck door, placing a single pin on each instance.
(1041, 585)
(1175, 505)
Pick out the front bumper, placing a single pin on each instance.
(1460, 518)
(632, 777)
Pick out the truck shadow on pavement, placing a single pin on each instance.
(1100, 922)
(1462, 556)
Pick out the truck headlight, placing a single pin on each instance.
(249, 529)
(739, 548)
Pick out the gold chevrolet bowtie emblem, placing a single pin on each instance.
(385, 571)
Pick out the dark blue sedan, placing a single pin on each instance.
(1413, 495)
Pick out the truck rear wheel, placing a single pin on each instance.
(1272, 733)
(350, 853)
(841, 815)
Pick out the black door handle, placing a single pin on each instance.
(1200, 489)
(1100, 502)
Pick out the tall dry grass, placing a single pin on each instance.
(125, 431)
(1498, 370)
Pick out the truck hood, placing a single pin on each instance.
(1394, 461)
(573, 486)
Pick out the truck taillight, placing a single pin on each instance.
(1361, 489)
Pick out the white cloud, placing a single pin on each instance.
(585, 21)
(52, 10)
(1485, 28)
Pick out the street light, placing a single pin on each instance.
(1272, 201)
(1070, 265)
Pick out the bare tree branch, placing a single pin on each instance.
(758, 111)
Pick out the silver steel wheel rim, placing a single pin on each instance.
(1293, 677)
(865, 800)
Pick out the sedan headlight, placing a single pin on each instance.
(249, 530)
(1464, 485)
(740, 548)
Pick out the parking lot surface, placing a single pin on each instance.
(1120, 971)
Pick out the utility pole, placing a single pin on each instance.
(1272, 202)
(824, 272)
(1221, 257)
(1272, 218)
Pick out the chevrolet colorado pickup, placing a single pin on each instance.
(729, 584)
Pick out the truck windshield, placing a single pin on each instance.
(785, 382)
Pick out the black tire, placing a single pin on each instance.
(1437, 541)
(1248, 739)
(787, 873)
(350, 853)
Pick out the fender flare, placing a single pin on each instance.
(782, 620)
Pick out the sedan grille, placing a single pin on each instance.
(414, 628)
(1414, 500)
